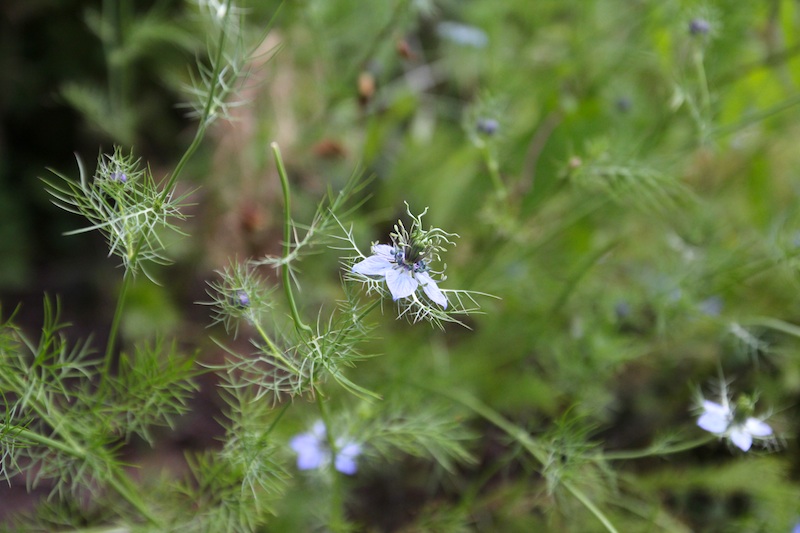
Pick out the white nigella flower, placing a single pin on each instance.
(403, 270)
(722, 420)
(405, 264)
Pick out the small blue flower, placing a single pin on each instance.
(721, 420)
(119, 177)
(403, 272)
(313, 451)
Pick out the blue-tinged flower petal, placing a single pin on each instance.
(715, 418)
(384, 250)
(463, 34)
(318, 430)
(310, 452)
(432, 289)
(346, 459)
(741, 438)
(757, 428)
(374, 265)
(401, 283)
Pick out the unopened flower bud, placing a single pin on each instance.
(699, 26)
(487, 126)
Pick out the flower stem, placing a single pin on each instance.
(25, 434)
(494, 170)
(112, 334)
(287, 240)
(276, 353)
(336, 520)
(527, 442)
(204, 122)
(116, 478)
(705, 98)
(657, 450)
(126, 489)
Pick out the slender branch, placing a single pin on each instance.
(494, 170)
(287, 240)
(127, 279)
(28, 435)
(705, 97)
(527, 442)
(212, 93)
(276, 352)
(656, 450)
(118, 481)
(581, 497)
(126, 489)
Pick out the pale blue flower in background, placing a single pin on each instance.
(346, 458)
(711, 306)
(313, 451)
(462, 34)
(720, 420)
(402, 278)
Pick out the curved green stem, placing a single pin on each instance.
(276, 352)
(494, 170)
(274, 423)
(212, 94)
(287, 240)
(113, 333)
(657, 450)
(125, 488)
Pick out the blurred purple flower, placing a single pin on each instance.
(487, 126)
(699, 26)
(313, 451)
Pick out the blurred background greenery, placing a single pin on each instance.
(632, 201)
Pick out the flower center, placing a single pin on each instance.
(408, 261)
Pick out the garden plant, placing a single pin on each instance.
(420, 265)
